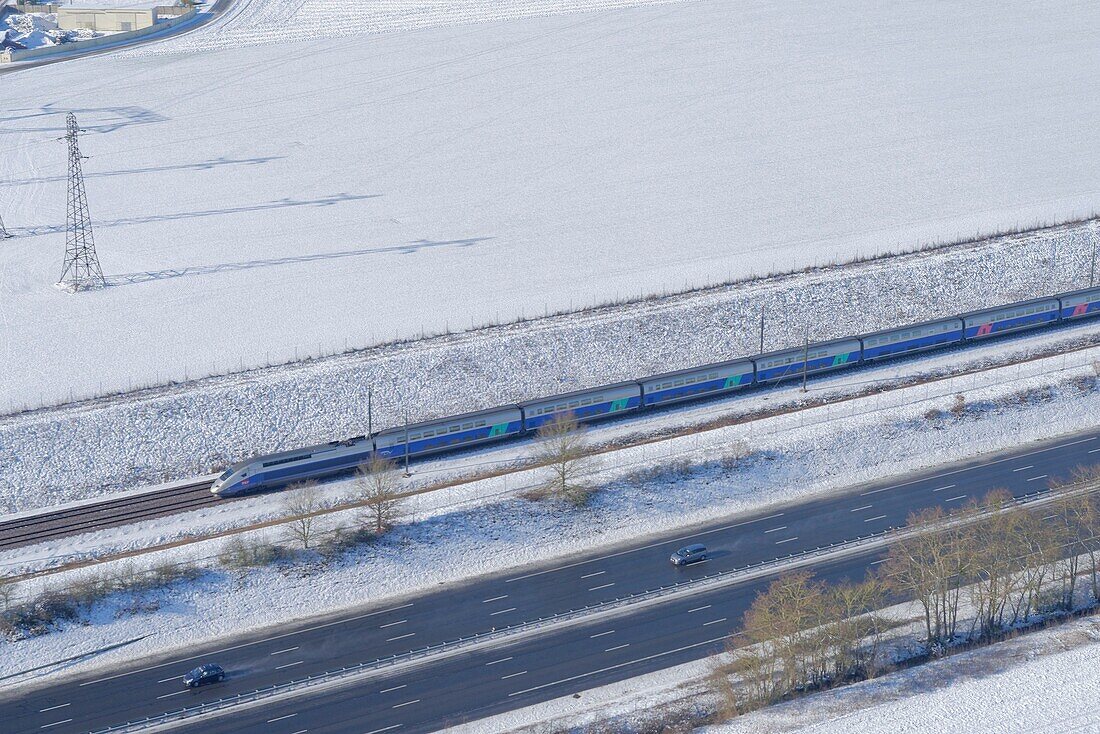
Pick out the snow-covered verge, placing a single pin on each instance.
(252, 202)
(1042, 681)
(887, 385)
(445, 539)
(189, 429)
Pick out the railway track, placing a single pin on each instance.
(105, 514)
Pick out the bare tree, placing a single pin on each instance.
(300, 505)
(561, 446)
(7, 593)
(379, 484)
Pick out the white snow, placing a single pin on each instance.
(256, 201)
(191, 429)
(794, 457)
(1044, 681)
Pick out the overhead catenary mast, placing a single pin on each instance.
(81, 270)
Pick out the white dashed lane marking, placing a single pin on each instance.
(502, 660)
(952, 499)
(617, 647)
(1041, 476)
(56, 723)
(788, 540)
(392, 624)
(946, 486)
(395, 688)
(289, 665)
(714, 621)
(502, 611)
(54, 708)
(699, 609)
(590, 575)
(605, 586)
(1029, 466)
(513, 675)
(495, 598)
(289, 649)
(877, 517)
(400, 637)
(601, 634)
(407, 703)
(781, 527)
(857, 509)
(177, 693)
(280, 718)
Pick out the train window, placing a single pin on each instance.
(480, 424)
(467, 426)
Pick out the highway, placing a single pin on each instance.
(435, 691)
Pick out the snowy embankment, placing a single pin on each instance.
(1045, 681)
(445, 536)
(188, 429)
(254, 202)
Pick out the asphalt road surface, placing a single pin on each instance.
(562, 661)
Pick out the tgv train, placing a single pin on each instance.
(497, 424)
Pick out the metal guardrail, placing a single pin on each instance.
(883, 537)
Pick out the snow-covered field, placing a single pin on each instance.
(446, 533)
(1045, 682)
(187, 430)
(299, 196)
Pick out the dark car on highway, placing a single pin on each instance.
(689, 554)
(209, 673)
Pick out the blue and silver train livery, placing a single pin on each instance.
(713, 379)
(908, 339)
(584, 405)
(814, 358)
(496, 424)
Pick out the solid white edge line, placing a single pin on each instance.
(980, 466)
(249, 644)
(617, 666)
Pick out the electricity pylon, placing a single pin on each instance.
(81, 270)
